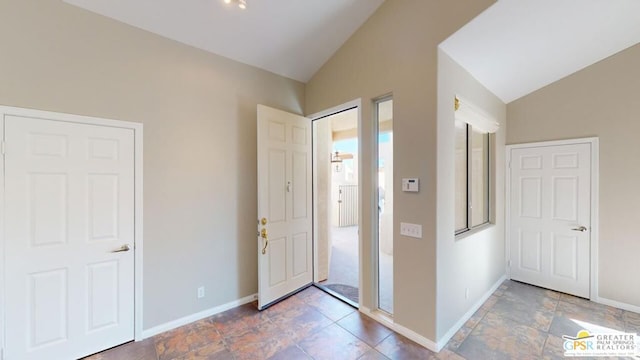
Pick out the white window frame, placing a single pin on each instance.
(469, 182)
(376, 200)
(475, 117)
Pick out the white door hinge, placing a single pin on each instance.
(509, 263)
(3, 146)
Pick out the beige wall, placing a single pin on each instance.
(475, 260)
(601, 100)
(199, 115)
(395, 51)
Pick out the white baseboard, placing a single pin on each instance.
(617, 304)
(197, 316)
(452, 331)
(408, 333)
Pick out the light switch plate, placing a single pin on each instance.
(411, 230)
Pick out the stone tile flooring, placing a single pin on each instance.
(517, 322)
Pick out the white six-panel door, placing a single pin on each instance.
(69, 204)
(550, 217)
(284, 201)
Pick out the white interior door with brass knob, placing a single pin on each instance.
(284, 204)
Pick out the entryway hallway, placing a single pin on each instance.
(518, 321)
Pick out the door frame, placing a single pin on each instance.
(138, 203)
(595, 178)
(357, 103)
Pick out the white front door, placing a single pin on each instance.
(550, 216)
(284, 204)
(69, 206)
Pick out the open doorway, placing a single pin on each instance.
(335, 153)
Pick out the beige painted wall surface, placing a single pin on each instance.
(601, 100)
(199, 115)
(395, 51)
(476, 260)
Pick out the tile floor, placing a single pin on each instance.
(517, 322)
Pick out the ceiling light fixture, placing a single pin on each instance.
(242, 4)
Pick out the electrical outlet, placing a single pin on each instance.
(412, 230)
(200, 292)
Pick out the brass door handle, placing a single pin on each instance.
(263, 234)
(122, 248)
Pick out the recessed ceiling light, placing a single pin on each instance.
(242, 4)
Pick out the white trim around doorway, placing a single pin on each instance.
(357, 103)
(595, 179)
(138, 203)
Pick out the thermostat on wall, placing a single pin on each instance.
(411, 185)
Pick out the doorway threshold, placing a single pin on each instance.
(337, 295)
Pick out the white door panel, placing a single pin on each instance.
(47, 319)
(299, 188)
(530, 250)
(69, 202)
(276, 209)
(550, 198)
(284, 201)
(300, 243)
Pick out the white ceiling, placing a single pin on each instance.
(513, 48)
(518, 46)
(292, 38)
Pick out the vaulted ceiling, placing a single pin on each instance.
(513, 48)
(292, 38)
(518, 46)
